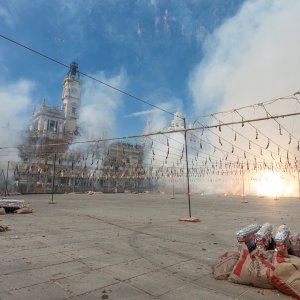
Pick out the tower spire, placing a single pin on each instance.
(71, 98)
(73, 71)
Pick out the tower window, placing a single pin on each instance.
(52, 125)
(35, 125)
(73, 110)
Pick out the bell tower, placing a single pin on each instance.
(71, 99)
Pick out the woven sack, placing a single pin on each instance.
(24, 210)
(295, 244)
(225, 264)
(286, 275)
(254, 271)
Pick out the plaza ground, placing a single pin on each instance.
(129, 246)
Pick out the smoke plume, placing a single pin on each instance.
(253, 57)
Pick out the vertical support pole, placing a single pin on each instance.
(243, 173)
(53, 180)
(3, 190)
(27, 179)
(173, 196)
(243, 187)
(73, 179)
(187, 169)
(138, 181)
(261, 195)
(6, 182)
(108, 183)
(298, 185)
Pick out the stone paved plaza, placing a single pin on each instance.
(129, 246)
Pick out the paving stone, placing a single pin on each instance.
(263, 294)
(221, 286)
(64, 270)
(129, 245)
(45, 291)
(131, 268)
(157, 283)
(117, 292)
(86, 282)
(20, 264)
(107, 259)
(190, 270)
(84, 253)
(21, 279)
(191, 292)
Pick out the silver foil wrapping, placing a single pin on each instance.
(282, 240)
(264, 238)
(247, 236)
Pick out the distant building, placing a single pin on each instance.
(52, 128)
(122, 168)
(177, 122)
(48, 165)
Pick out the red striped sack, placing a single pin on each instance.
(252, 270)
(224, 264)
(286, 275)
(295, 244)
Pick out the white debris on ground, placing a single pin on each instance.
(15, 206)
(93, 193)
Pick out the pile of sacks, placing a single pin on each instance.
(3, 228)
(14, 206)
(263, 260)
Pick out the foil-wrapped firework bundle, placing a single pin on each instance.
(282, 240)
(264, 238)
(247, 236)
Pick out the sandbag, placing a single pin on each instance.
(225, 264)
(295, 244)
(2, 211)
(252, 270)
(286, 275)
(3, 228)
(24, 210)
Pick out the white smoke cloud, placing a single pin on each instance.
(142, 113)
(99, 105)
(165, 100)
(255, 55)
(15, 101)
(6, 16)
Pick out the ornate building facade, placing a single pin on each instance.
(51, 128)
(49, 165)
